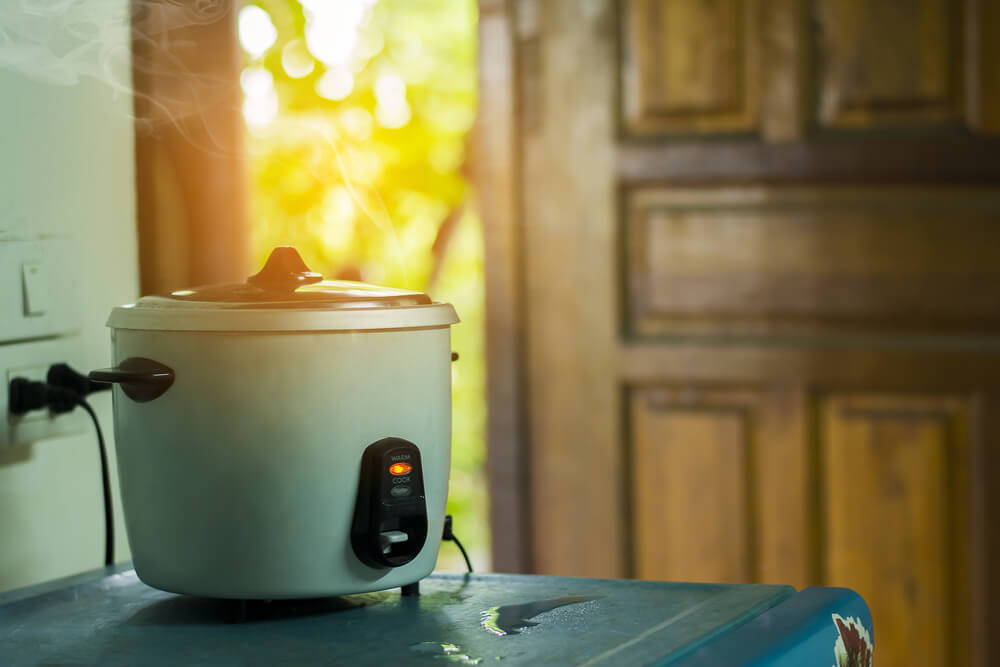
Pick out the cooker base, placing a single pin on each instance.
(243, 610)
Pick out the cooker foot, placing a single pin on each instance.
(236, 611)
(410, 589)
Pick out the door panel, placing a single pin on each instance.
(888, 63)
(691, 477)
(675, 81)
(895, 528)
(718, 477)
(788, 259)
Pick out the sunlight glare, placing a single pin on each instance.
(357, 122)
(392, 116)
(338, 218)
(261, 104)
(392, 110)
(295, 59)
(260, 111)
(256, 81)
(336, 84)
(332, 28)
(257, 32)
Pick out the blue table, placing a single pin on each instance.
(109, 617)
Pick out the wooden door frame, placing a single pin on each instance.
(495, 161)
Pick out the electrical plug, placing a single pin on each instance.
(63, 375)
(24, 395)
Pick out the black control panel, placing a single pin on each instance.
(390, 515)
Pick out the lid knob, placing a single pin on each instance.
(284, 271)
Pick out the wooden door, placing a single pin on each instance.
(743, 295)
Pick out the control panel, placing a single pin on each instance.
(390, 515)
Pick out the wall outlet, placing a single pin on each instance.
(39, 326)
(32, 360)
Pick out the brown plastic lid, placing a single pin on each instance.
(286, 282)
(284, 296)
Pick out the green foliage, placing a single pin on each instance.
(364, 191)
(329, 177)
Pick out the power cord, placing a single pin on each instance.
(109, 520)
(61, 393)
(449, 535)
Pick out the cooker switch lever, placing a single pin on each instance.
(390, 537)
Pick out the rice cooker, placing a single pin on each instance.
(283, 437)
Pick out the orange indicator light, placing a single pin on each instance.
(400, 468)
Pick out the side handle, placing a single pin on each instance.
(141, 379)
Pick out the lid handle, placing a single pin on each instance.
(141, 379)
(284, 271)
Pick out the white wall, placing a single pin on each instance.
(66, 166)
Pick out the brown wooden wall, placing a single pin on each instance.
(190, 173)
(743, 277)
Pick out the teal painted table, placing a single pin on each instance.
(109, 617)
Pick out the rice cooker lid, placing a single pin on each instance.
(284, 296)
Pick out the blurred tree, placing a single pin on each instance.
(359, 114)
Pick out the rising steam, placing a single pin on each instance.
(66, 42)
(63, 41)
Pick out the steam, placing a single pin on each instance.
(61, 42)
(67, 42)
(381, 218)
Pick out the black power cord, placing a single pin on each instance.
(26, 395)
(109, 519)
(449, 535)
